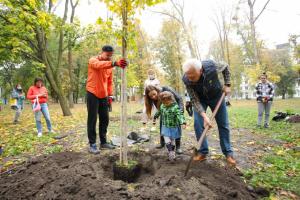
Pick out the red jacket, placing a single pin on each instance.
(100, 77)
(33, 91)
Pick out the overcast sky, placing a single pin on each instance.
(281, 18)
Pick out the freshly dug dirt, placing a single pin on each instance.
(71, 175)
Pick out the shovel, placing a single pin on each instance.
(204, 133)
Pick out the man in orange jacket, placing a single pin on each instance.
(99, 91)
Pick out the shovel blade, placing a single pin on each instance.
(190, 161)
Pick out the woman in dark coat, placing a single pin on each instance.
(151, 98)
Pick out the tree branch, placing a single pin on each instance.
(168, 14)
(176, 8)
(262, 10)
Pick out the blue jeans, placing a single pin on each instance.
(38, 116)
(223, 127)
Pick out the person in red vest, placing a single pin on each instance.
(38, 92)
(99, 95)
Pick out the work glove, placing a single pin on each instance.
(189, 108)
(109, 101)
(121, 63)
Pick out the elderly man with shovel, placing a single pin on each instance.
(205, 90)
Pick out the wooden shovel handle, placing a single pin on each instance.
(204, 133)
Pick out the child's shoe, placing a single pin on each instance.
(171, 151)
(172, 155)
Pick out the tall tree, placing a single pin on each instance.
(170, 52)
(222, 21)
(26, 25)
(70, 53)
(178, 14)
(252, 19)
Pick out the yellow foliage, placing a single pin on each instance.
(8, 163)
(254, 73)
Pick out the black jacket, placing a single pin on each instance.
(208, 87)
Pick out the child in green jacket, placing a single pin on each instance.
(172, 119)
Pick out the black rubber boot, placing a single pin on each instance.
(162, 143)
(178, 149)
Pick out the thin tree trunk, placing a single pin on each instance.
(70, 58)
(123, 149)
(61, 37)
(253, 34)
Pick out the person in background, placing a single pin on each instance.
(264, 93)
(151, 80)
(18, 94)
(99, 93)
(151, 99)
(188, 104)
(38, 92)
(172, 120)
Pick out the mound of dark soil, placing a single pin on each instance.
(70, 175)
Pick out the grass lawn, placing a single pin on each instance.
(280, 165)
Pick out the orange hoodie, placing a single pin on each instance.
(33, 91)
(100, 77)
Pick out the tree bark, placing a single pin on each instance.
(61, 37)
(70, 58)
(252, 20)
(55, 85)
(123, 149)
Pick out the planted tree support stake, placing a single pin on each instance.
(123, 148)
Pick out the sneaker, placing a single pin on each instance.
(40, 134)
(266, 126)
(172, 155)
(179, 151)
(93, 149)
(230, 160)
(107, 146)
(199, 157)
(51, 132)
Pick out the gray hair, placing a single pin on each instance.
(191, 63)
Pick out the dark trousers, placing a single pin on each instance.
(162, 139)
(97, 106)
